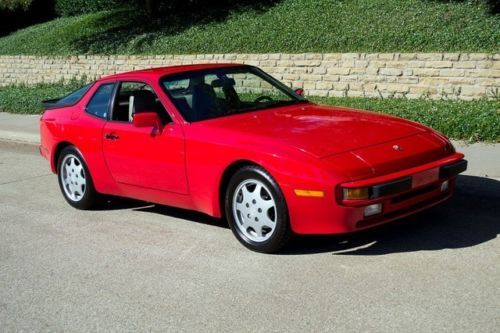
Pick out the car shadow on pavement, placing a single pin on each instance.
(469, 218)
(184, 214)
(119, 203)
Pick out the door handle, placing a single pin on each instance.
(111, 136)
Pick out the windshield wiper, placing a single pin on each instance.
(284, 103)
(270, 104)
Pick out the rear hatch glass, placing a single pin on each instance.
(68, 100)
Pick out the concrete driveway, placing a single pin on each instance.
(131, 266)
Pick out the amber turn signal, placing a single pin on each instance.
(309, 193)
(361, 193)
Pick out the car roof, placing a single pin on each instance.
(162, 71)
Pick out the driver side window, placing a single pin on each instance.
(137, 97)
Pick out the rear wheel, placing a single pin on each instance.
(75, 180)
(256, 210)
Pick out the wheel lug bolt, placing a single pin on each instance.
(247, 205)
(256, 219)
(248, 215)
(259, 210)
(254, 202)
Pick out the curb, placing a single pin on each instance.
(21, 137)
(19, 128)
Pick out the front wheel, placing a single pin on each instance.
(256, 210)
(75, 180)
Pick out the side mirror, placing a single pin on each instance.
(147, 119)
(299, 91)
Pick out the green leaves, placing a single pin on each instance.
(14, 4)
(292, 26)
(78, 7)
(472, 120)
(462, 120)
(28, 99)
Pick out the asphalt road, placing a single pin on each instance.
(131, 266)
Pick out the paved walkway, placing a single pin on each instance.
(22, 128)
(484, 159)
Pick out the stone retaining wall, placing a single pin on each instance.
(462, 76)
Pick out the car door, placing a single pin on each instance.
(143, 156)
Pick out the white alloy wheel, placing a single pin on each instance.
(254, 210)
(73, 178)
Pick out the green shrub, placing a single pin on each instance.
(77, 7)
(31, 12)
(292, 26)
(462, 120)
(472, 121)
(28, 99)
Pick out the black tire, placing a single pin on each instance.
(281, 233)
(89, 196)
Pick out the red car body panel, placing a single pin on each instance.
(305, 146)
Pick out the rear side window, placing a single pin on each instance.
(99, 103)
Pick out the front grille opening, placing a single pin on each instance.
(415, 193)
(394, 214)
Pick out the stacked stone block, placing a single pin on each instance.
(463, 76)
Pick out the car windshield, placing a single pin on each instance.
(207, 94)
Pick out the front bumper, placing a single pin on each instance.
(401, 194)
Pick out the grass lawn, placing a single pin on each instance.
(461, 120)
(279, 26)
(471, 121)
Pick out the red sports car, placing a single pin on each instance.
(230, 140)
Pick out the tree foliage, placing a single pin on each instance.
(151, 7)
(18, 14)
(78, 7)
(15, 4)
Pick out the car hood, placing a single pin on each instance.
(320, 130)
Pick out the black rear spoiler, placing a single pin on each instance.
(54, 104)
(50, 102)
